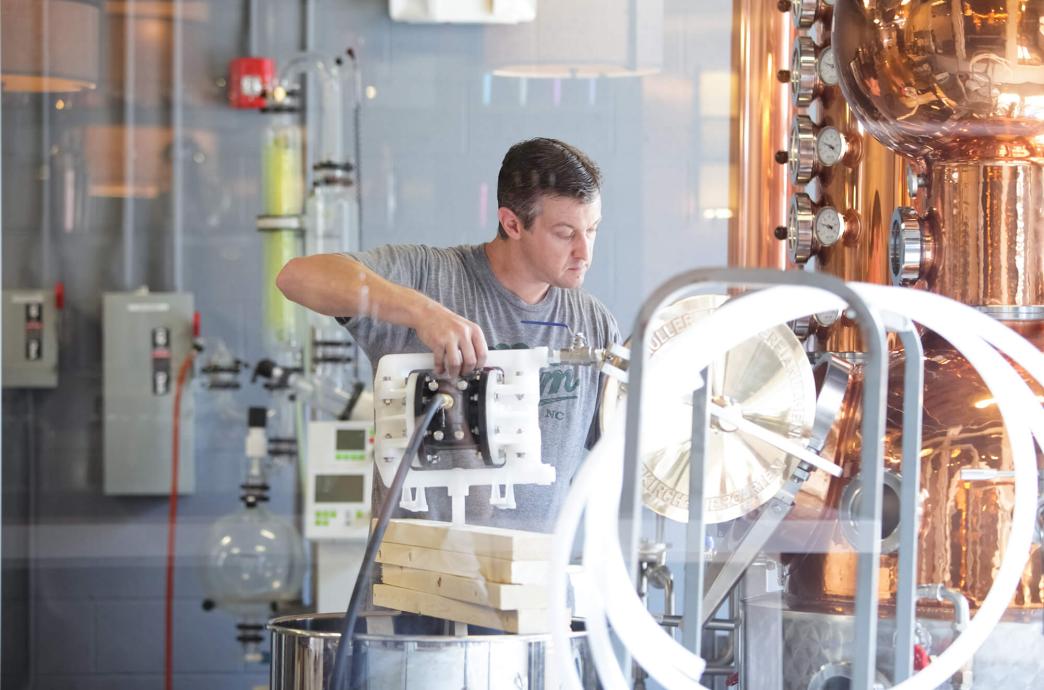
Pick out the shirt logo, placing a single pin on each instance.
(558, 383)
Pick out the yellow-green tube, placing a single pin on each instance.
(283, 195)
(283, 176)
(280, 315)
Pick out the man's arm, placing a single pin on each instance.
(337, 285)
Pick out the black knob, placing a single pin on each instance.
(782, 157)
(783, 76)
(257, 417)
(783, 5)
(780, 232)
(208, 605)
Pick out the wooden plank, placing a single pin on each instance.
(524, 622)
(464, 564)
(497, 542)
(469, 589)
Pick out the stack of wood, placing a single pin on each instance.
(487, 576)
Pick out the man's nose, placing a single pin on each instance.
(582, 247)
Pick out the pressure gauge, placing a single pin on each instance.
(829, 226)
(801, 156)
(800, 220)
(826, 67)
(805, 85)
(831, 146)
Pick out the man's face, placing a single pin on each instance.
(560, 241)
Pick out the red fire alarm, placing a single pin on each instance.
(249, 79)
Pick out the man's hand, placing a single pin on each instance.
(337, 285)
(458, 344)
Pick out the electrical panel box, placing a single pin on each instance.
(339, 478)
(146, 338)
(30, 322)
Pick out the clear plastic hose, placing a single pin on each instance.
(660, 655)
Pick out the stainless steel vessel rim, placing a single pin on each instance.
(1013, 313)
(277, 625)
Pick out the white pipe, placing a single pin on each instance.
(920, 306)
(624, 608)
(1016, 401)
(589, 480)
(565, 529)
(742, 318)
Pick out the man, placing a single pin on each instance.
(512, 292)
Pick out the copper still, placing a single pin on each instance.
(757, 186)
(958, 87)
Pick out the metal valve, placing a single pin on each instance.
(909, 247)
(801, 155)
(804, 13)
(800, 228)
(801, 326)
(805, 83)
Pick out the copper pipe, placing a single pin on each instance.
(758, 184)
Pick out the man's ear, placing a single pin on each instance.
(511, 223)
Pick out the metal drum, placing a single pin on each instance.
(303, 649)
(820, 647)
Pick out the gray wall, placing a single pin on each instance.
(83, 588)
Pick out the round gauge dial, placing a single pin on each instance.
(826, 66)
(831, 146)
(829, 226)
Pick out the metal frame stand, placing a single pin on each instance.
(871, 472)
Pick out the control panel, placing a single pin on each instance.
(339, 479)
(146, 337)
(30, 332)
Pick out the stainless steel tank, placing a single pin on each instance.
(303, 650)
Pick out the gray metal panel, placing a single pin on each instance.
(19, 370)
(139, 422)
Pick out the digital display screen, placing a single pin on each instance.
(351, 439)
(339, 488)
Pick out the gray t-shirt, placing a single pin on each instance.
(460, 279)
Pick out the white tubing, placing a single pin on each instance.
(631, 621)
(920, 306)
(736, 321)
(565, 530)
(1018, 406)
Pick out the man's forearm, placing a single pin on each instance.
(337, 285)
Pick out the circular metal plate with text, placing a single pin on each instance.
(766, 379)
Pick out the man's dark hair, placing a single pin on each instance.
(541, 167)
